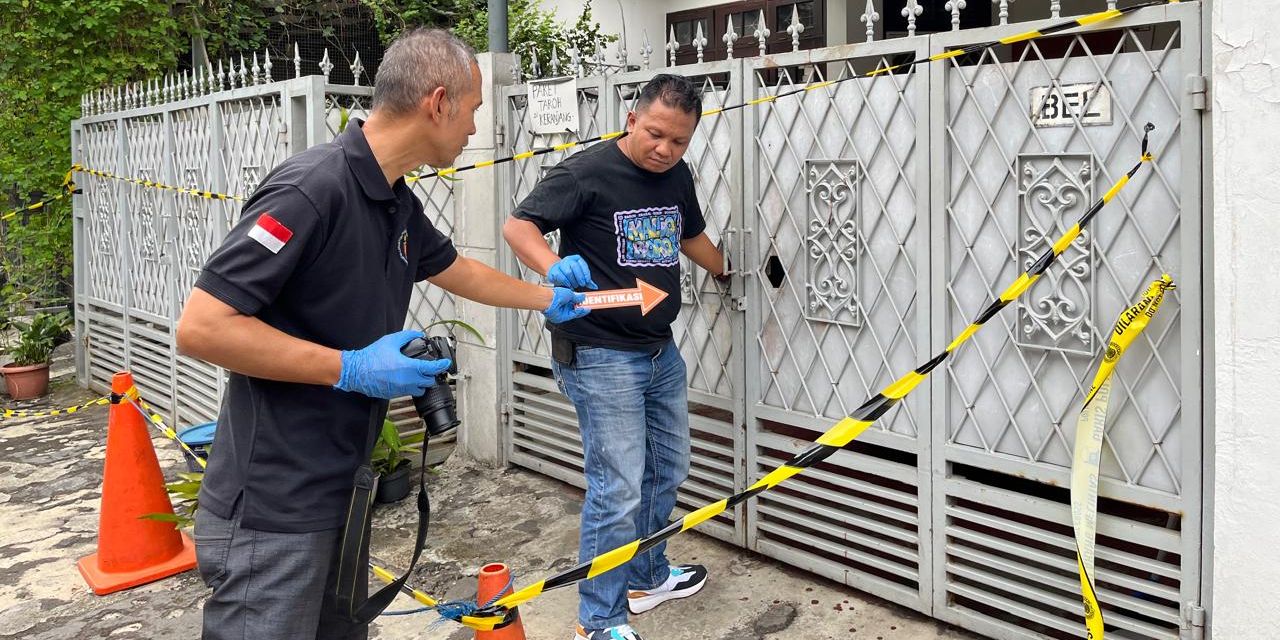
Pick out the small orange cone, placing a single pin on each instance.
(495, 581)
(132, 550)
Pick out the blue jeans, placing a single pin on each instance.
(634, 416)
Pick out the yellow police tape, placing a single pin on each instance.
(68, 188)
(835, 438)
(448, 173)
(151, 184)
(149, 414)
(23, 413)
(1090, 429)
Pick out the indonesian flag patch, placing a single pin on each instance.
(270, 233)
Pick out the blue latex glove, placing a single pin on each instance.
(564, 306)
(381, 371)
(571, 273)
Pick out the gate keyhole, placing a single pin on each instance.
(774, 271)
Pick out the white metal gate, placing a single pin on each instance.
(869, 221)
(139, 249)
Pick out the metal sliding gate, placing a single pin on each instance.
(139, 249)
(868, 222)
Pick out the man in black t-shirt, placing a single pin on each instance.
(303, 303)
(625, 210)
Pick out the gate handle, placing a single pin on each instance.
(742, 249)
(725, 246)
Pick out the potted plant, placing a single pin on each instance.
(27, 372)
(186, 492)
(391, 462)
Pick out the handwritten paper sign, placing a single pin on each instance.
(553, 106)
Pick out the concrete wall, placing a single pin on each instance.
(476, 236)
(651, 15)
(1245, 90)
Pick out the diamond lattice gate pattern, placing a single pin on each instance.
(867, 222)
(139, 249)
(1016, 176)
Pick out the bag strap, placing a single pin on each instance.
(357, 530)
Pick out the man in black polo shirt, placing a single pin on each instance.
(625, 211)
(304, 303)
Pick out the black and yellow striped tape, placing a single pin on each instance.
(1065, 25)
(68, 189)
(1082, 21)
(22, 413)
(839, 435)
(151, 184)
(149, 414)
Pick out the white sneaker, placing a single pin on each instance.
(685, 580)
(620, 632)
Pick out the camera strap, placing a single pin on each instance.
(352, 569)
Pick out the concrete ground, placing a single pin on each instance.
(50, 471)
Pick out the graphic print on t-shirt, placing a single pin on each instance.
(648, 237)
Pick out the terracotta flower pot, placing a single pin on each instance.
(26, 382)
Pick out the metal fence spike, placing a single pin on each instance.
(266, 66)
(730, 37)
(646, 48)
(795, 28)
(1004, 9)
(357, 69)
(870, 17)
(762, 34)
(554, 62)
(673, 46)
(622, 53)
(955, 7)
(257, 71)
(297, 61)
(911, 12)
(699, 41)
(326, 65)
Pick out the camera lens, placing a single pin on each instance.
(437, 407)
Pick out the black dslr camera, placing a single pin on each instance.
(436, 407)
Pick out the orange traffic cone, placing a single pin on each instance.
(495, 581)
(132, 550)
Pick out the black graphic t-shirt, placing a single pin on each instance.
(627, 223)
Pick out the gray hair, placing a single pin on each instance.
(416, 64)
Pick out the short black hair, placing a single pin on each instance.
(674, 91)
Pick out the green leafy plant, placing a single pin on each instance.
(390, 451)
(533, 28)
(186, 493)
(38, 337)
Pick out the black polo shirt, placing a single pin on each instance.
(326, 251)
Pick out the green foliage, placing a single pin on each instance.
(456, 323)
(53, 52)
(533, 28)
(390, 451)
(186, 492)
(391, 17)
(38, 337)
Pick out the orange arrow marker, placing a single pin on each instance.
(644, 295)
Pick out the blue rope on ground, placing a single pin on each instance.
(454, 609)
(407, 612)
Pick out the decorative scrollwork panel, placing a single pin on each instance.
(831, 241)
